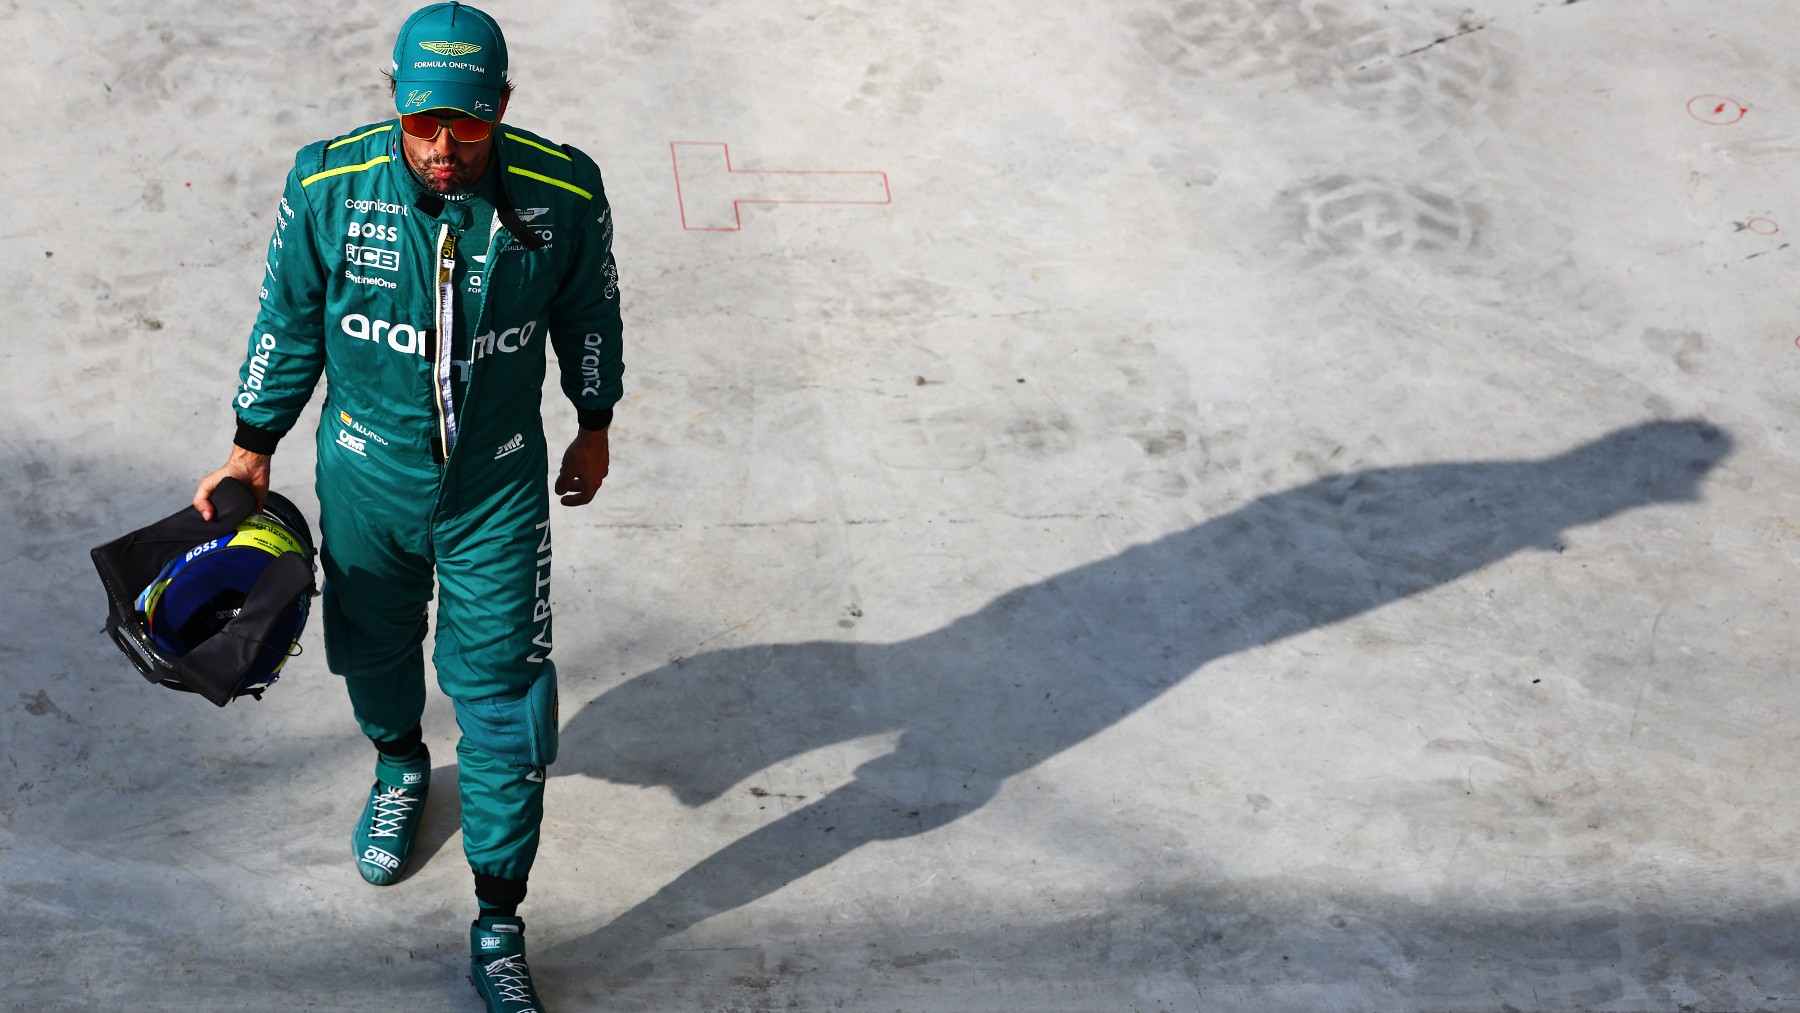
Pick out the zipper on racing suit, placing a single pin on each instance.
(444, 440)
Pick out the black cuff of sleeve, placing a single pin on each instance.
(255, 439)
(587, 418)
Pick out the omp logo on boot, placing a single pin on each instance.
(514, 445)
(412, 778)
(490, 942)
(376, 856)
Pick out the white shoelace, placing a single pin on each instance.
(391, 810)
(510, 977)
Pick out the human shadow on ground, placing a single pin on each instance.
(1048, 665)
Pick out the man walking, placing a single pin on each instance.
(421, 265)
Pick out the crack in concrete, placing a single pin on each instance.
(1470, 30)
(1438, 42)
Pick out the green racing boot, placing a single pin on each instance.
(497, 966)
(384, 836)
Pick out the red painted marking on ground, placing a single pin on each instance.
(711, 192)
(1762, 226)
(1717, 110)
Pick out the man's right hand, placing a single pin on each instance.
(248, 468)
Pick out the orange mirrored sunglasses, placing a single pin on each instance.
(464, 131)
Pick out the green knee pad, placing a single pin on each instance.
(518, 728)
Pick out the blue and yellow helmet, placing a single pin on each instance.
(200, 591)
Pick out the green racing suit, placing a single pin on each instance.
(428, 319)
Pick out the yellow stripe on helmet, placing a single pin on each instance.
(267, 536)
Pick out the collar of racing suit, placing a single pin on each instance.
(432, 204)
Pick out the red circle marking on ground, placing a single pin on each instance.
(1762, 226)
(1718, 110)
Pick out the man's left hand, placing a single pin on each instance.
(584, 467)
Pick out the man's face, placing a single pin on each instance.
(444, 164)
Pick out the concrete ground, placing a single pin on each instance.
(1234, 504)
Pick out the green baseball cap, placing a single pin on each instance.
(450, 56)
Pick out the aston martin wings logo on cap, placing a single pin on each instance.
(450, 48)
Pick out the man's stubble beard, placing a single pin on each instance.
(462, 178)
